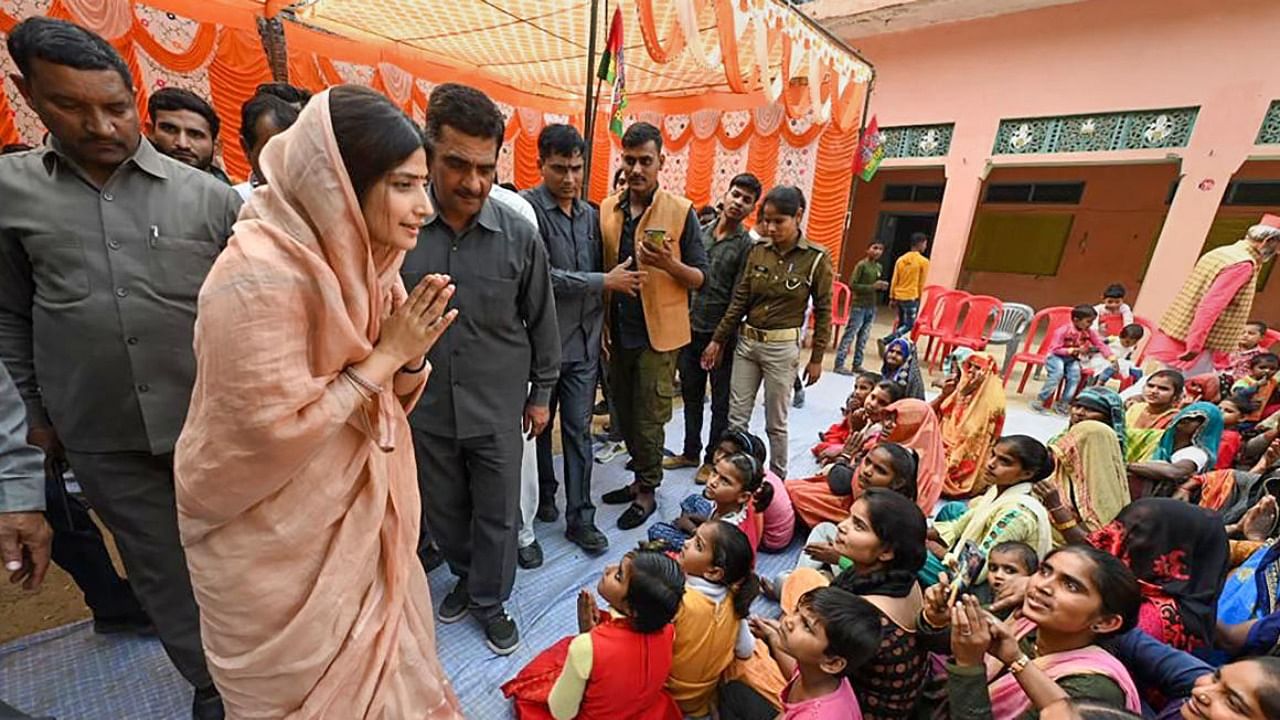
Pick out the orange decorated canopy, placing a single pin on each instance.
(735, 85)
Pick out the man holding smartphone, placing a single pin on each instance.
(659, 232)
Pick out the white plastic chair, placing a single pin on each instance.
(1010, 329)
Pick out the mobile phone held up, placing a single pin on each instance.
(967, 564)
(655, 238)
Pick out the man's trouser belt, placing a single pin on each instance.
(771, 336)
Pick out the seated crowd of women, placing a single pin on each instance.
(953, 571)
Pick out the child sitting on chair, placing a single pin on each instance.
(1114, 314)
(1125, 347)
(1068, 346)
(618, 665)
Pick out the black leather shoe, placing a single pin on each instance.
(634, 516)
(547, 510)
(455, 604)
(207, 705)
(621, 496)
(589, 538)
(530, 556)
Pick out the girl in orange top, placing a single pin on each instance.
(616, 668)
(711, 626)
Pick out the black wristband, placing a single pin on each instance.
(414, 371)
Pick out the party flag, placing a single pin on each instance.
(870, 152)
(611, 71)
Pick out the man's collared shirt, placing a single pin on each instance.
(631, 332)
(21, 465)
(726, 258)
(574, 249)
(98, 292)
(505, 335)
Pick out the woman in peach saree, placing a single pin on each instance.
(297, 488)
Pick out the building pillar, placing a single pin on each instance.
(965, 169)
(1221, 142)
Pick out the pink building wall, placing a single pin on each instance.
(1093, 56)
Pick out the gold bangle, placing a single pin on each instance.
(1063, 527)
(1017, 666)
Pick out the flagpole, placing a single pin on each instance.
(853, 182)
(589, 112)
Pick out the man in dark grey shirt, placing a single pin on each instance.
(104, 244)
(571, 230)
(727, 242)
(467, 426)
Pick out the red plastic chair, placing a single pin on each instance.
(929, 298)
(1054, 318)
(841, 301)
(979, 315)
(1270, 340)
(942, 321)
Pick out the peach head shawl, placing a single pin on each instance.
(918, 428)
(297, 498)
(972, 420)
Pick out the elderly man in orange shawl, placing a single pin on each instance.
(972, 416)
(297, 491)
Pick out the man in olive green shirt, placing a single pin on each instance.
(864, 283)
(104, 243)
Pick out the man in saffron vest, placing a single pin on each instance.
(658, 233)
(1211, 310)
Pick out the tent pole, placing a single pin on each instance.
(853, 182)
(589, 112)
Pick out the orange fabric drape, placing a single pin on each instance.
(702, 160)
(677, 143)
(832, 173)
(726, 30)
(8, 127)
(238, 68)
(737, 141)
(525, 154)
(601, 152)
(652, 37)
(187, 61)
(304, 72)
(762, 159)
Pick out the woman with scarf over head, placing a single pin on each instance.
(297, 488)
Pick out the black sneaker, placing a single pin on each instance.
(589, 538)
(529, 556)
(207, 705)
(500, 634)
(455, 604)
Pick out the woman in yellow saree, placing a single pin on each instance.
(972, 420)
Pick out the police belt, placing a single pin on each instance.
(788, 335)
